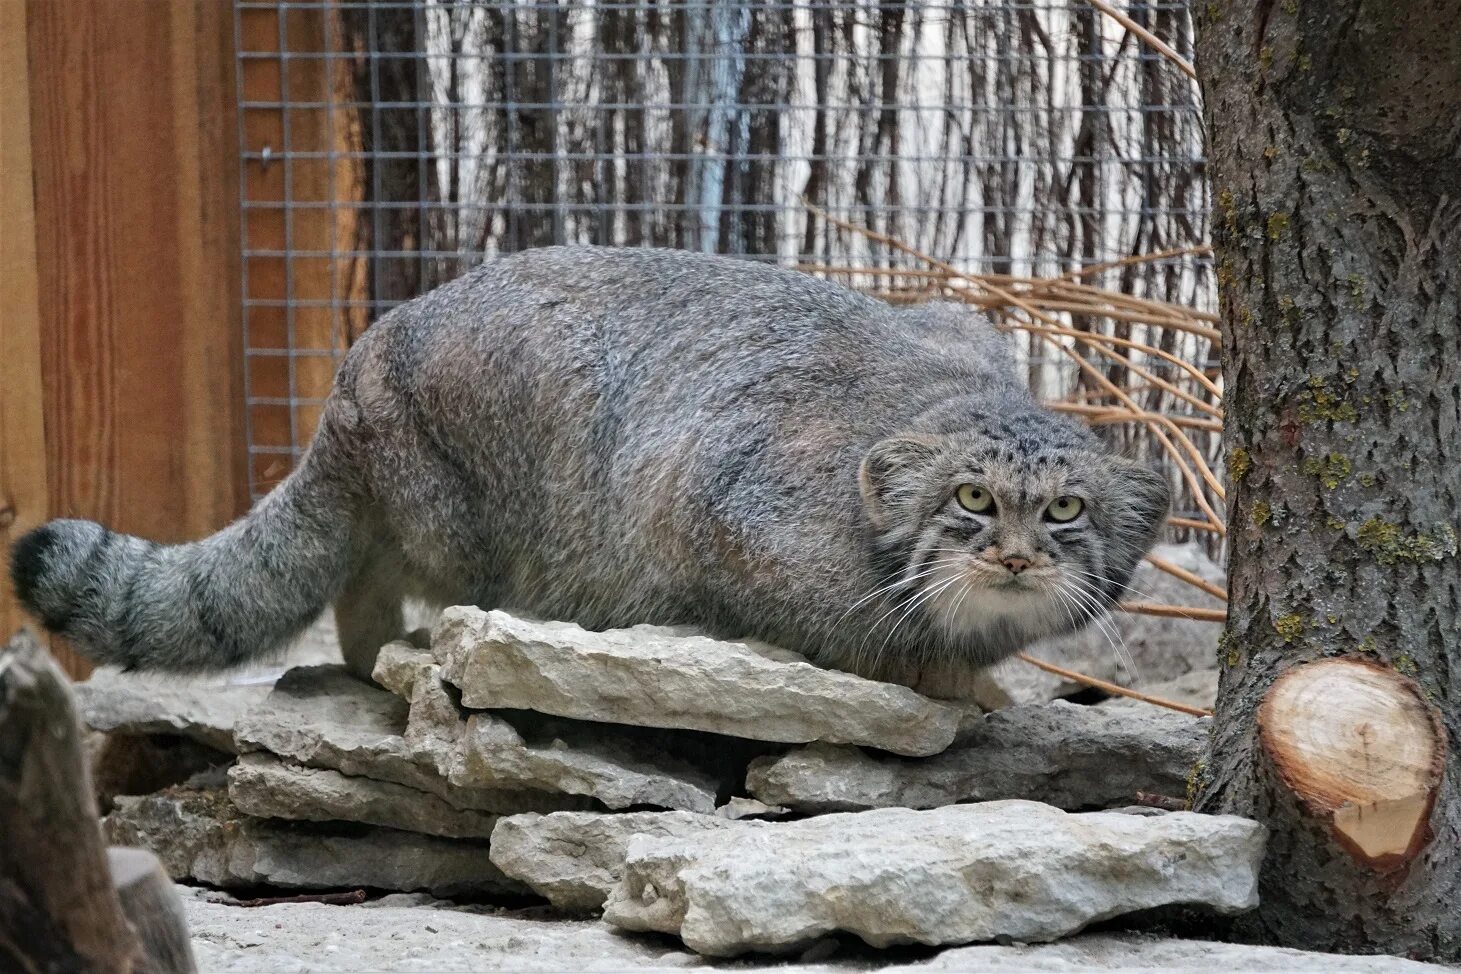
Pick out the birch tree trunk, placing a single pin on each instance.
(1335, 145)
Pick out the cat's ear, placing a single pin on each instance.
(1145, 495)
(885, 472)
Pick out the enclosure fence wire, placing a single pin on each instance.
(389, 146)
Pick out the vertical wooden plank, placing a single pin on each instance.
(206, 134)
(136, 244)
(23, 496)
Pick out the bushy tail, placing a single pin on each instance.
(211, 604)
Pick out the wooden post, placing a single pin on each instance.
(124, 198)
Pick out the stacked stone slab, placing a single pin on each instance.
(728, 793)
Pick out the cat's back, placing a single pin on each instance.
(614, 321)
(637, 296)
(610, 419)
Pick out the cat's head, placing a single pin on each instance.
(1009, 529)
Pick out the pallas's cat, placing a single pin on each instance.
(614, 437)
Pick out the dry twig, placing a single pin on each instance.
(1155, 42)
(1112, 688)
(333, 899)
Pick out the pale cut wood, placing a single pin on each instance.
(1358, 744)
(58, 909)
(152, 905)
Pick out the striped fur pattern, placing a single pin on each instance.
(617, 437)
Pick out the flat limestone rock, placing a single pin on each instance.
(575, 858)
(1069, 756)
(201, 836)
(267, 787)
(961, 874)
(619, 767)
(322, 717)
(654, 677)
(399, 664)
(149, 704)
(1159, 649)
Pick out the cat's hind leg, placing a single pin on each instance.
(369, 611)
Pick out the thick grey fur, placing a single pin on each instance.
(617, 437)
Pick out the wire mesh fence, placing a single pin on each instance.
(390, 145)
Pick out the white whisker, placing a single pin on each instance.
(1109, 628)
(929, 593)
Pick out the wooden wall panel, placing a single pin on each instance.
(23, 496)
(134, 151)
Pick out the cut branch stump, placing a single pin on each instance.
(65, 902)
(1362, 749)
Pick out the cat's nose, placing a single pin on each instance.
(1015, 563)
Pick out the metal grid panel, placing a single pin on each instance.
(390, 145)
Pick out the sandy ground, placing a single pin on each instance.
(412, 933)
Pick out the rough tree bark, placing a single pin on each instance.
(1334, 140)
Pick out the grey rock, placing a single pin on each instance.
(575, 858)
(150, 704)
(399, 665)
(620, 767)
(965, 873)
(1158, 649)
(661, 678)
(582, 761)
(202, 836)
(1070, 756)
(321, 717)
(264, 786)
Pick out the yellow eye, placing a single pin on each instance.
(975, 499)
(1064, 509)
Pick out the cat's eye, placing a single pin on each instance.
(975, 499)
(1064, 509)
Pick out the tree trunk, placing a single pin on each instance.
(1334, 140)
